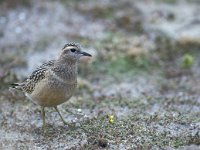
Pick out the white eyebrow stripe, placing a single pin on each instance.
(70, 47)
(60, 79)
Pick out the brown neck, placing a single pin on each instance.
(66, 69)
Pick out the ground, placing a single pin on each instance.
(140, 90)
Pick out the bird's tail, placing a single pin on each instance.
(16, 86)
(13, 87)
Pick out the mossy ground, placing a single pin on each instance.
(153, 99)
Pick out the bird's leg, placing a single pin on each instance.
(61, 116)
(43, 119)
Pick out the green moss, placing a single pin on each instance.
(187, 61)
(123, 66)
(131, 128)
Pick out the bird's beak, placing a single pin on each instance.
(85, 54)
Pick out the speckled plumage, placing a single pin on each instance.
(29, 84)
(72, 44)
(54, 82)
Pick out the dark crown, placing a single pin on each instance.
(72, 44)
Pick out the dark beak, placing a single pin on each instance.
(85, 54)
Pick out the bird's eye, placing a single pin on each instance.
(73, 50)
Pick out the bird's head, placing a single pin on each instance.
(72, 52)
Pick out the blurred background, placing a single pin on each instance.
(144, 72)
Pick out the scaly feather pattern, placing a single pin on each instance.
(29, 84)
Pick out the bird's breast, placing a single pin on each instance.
(52, 92)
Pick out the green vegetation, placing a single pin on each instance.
(187, 61)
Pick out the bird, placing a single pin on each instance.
(55, 81)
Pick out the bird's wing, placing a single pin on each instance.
(29, 84)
